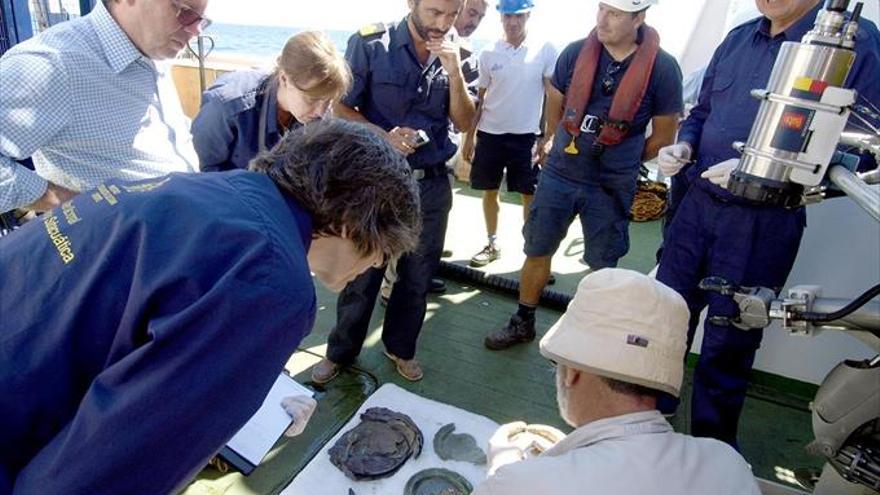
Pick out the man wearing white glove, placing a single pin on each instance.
(502, 449)
(670, 161)
(617, 347)
(300, 408)
(714, 233)
(672, 158)
(719, 174)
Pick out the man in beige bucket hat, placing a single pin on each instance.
(617, 347)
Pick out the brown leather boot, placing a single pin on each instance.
(325, 371)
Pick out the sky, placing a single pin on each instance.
(559, 21)
(685, 31)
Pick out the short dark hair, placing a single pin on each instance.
(351, 181)
(631, 389)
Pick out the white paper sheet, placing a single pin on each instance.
(267, 425)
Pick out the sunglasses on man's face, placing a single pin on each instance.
(608, 81)
(187, 16)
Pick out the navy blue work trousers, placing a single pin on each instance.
(749, 246)
(677, 189)
(405, 311)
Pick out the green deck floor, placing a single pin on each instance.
(516, 384)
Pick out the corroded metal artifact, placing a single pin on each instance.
(437, 481)
(378, 446)
(457, 446)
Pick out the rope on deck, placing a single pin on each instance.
(507, 286)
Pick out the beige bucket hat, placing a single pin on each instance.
(623, 325)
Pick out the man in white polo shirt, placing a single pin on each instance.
(513, 75)
(619, 345)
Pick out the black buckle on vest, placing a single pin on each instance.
(591, 124)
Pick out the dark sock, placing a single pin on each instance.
(526, 312)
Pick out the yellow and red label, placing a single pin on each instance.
(809, 88)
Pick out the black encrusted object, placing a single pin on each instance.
(378, 446)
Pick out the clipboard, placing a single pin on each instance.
(255, 439)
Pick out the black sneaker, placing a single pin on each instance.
(516, 331)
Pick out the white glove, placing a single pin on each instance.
(501, 450)
(300, 408)
(719, 174)
(670, 159)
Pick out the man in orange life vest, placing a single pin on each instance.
(605, 91)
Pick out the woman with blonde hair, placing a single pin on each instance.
(246, 112)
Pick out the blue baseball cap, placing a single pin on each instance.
(515, 6)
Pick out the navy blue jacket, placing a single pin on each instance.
(392, 89)
(225, 131)
(142, 325)
(726, 110)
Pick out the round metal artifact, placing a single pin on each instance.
(457, 446)
(378, 446)
(533, 440)
(437, 481)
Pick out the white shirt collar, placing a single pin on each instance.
(640, 423)
(509, 47)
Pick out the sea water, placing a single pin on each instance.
(260, 41)
(266, 42)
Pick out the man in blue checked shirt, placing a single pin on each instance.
(89, 101)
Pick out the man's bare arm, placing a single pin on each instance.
(52, 198)
(552, 116)
(467, 150)
(663, 129)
